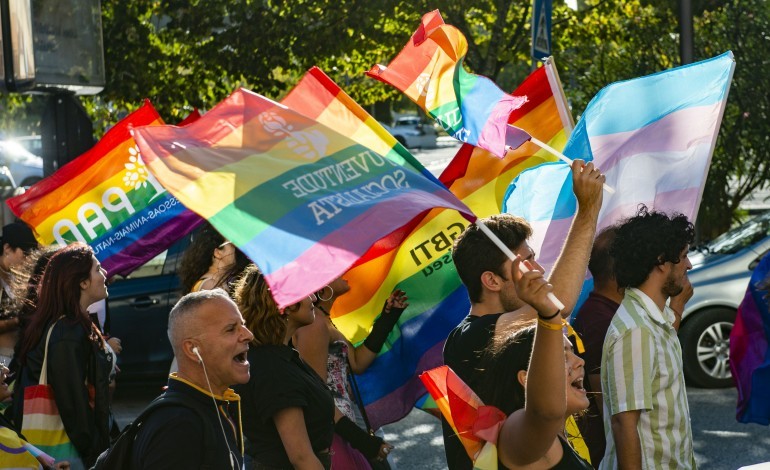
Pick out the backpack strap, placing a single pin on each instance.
(171, 398)
(120, 453)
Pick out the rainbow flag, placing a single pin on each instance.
(107, 199)
(301, 200)
(475, 424)
(653, 138)
(749, 358)
(417, 259)
(317, 97)
(429, 70)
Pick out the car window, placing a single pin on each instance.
(741, 237)
(154, 267)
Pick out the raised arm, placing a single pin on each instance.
(363, 356)
(528, 433)
(569, 271)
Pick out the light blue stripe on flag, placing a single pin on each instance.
(625, 106)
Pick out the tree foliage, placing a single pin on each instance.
(185, 54)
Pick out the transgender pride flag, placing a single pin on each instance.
(653, 137)
(429, 70)
(749, 358)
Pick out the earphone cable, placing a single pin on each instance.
(221, 425)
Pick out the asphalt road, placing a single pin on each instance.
(720, 441)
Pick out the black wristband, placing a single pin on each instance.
(381, 329)
(548, 317)
(361, 440)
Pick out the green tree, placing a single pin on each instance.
(739, 166)
(185, 54)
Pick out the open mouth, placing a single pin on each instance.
(241, 358)
(578, 384)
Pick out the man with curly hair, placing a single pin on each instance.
(646, 415)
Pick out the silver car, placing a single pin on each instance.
(720, 275)
(411, 132)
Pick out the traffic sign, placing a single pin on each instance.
(541, 29)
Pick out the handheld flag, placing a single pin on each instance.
(475, 424)
(429, 70)
(749, 358)
(107, 199)
(417, 258)
(653, 138)
(299, 199)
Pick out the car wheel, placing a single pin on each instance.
(705, 338)
(401, 140)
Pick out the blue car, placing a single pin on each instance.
(138, 314)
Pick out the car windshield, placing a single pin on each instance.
(740, 237)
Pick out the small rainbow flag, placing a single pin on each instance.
(107, 199)
(475, 424)
(429, 70)
(417, 259)
(301, 200)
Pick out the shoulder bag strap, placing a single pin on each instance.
(44, 371)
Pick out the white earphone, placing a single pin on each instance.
(233, 460)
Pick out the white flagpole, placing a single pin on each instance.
(563, 158)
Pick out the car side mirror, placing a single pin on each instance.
(756, 261)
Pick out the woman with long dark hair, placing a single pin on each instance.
(79, 364)
(211, 261)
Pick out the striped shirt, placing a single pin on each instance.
(642, 370)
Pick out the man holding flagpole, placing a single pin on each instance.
(483, 268)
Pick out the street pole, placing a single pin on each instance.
(686, 48)
(686, 52)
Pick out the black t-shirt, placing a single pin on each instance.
(280, 380)
(173, 436)
(463, 351)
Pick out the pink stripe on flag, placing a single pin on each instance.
(548, 237)
(662, 201)
(493, 135)
(675, 132)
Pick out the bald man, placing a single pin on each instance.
(210, 342)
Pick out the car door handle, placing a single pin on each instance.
(144, 302)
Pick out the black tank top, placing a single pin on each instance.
(570, 459)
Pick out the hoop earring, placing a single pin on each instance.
(331, 294)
